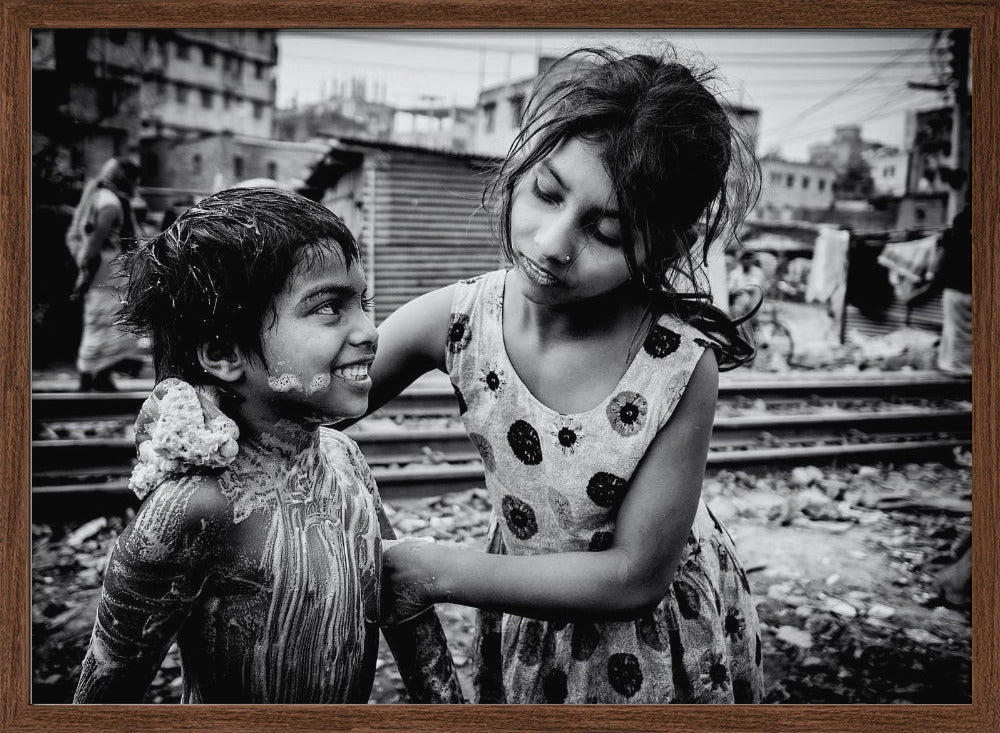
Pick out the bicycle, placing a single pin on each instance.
(771, 335)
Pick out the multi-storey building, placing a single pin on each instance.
(888, 167)
(208, 81)
(103, 92)
(789, 188)
(146, 93)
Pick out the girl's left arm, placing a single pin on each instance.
(622, 582)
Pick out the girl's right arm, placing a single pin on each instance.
(155, 573)
(411, 343)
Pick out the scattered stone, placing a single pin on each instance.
(879, 611)
(409, 525)
(794, 636)
(806, 475)
(922, 636)
(840, 608)
(86, 531)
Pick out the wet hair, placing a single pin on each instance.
(681, 171)
(213, 275)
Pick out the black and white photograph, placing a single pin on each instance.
(501, 366)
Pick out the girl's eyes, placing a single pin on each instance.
(329, 308)
(334, 307)
(549, 198)
(612, 240)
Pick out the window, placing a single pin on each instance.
(272, 170)
(805, 181)
(821, 184)
(182, 94)
(227, 99)
(196, 164)
(490, 110)
(206, 98)
(776, 179)
(207, 56)
(790, 180)
(258, 70)
(516, 110)
(238, 166)
(183, 50)
(258, 110)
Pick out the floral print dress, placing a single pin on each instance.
(556, 482)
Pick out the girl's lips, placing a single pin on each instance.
(536, 273)
(353, 372)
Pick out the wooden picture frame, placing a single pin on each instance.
(19, 17)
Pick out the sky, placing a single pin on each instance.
(803, 82)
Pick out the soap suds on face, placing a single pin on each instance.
(285, 383)
(318, 383)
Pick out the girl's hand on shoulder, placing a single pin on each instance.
(409, 578)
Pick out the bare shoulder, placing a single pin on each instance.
(702, 391)
(427, 310)
(181, 515)
(705, 375)
(342, 449)
(339, 446)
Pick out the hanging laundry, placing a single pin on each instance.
(868, 286)
(911, 265)
(829, 265)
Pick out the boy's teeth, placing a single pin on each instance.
(356, 372)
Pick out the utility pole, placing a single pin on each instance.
(961, 131)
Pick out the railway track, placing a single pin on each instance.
(774, 421)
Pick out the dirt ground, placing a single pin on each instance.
(841, 561)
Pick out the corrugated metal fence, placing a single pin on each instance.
(424, 226)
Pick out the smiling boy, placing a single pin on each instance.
(258, 543)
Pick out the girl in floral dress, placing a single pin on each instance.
(587, 376)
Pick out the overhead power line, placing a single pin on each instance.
(878, 111)
(841, 92)
(532, 46)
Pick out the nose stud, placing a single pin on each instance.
(567, 258)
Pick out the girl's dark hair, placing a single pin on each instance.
(680, 168)
(213, 275)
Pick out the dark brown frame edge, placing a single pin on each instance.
(19, 16)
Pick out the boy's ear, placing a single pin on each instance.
(222, 359)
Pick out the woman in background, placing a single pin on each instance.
(102, 225)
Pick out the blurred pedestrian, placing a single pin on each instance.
(747, 283)
(103, 226)
(955, 352)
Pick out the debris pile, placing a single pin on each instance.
(843, 563)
